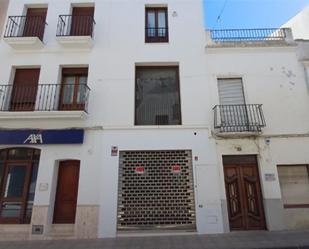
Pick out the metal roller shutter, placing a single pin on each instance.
(156, 190)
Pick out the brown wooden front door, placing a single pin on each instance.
(25, 89)
(66, 195)
(82, 21)
(35, 22)
(243, 192)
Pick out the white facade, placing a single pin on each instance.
(298, 25)
(272, 75)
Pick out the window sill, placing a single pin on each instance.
(291, 206)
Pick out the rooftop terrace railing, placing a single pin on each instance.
(248, 35)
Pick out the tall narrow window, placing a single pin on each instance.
(34, 24)
(74, 88)
(18, 175)
(156, 25)
(157, 97)
(233, 110)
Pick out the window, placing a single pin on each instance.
(74, 88)
(18, 175)
(156, 25)
(157, 96)
(294, 183)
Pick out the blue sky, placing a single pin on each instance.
(250, 13)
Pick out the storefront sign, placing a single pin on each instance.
(34, 137)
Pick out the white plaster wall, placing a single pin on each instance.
(118, 46)
(209, 215)
(272, 76)
(299, 25)
(3, 8)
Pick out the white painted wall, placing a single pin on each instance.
(299, 25)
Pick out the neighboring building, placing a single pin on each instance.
(107, 124)
(299, 25)
(3, 9)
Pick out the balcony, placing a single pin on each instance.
(25, 32)
(75, 31)
(153, 35)
(44, 100)
(238, 119)
(249, 37)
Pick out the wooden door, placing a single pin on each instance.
(66, 194)
(243, 192)
(82, 21)
(35, 22)
(25, 88)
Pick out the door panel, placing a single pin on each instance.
(244, 197)
(66, 195)
(25, 89)
(82, 21)
(35, 22)
(14, 192)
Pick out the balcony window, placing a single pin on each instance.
(80, 23)
(294, 183)
(30, 25)
(157, 96)
(18, 176)
(74, 88)
(27, 95)
(156, 25)
(233, 114)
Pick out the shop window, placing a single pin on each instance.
(294, 183)
(18, 175)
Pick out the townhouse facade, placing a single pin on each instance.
(125, 117)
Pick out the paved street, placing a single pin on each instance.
(286, 240)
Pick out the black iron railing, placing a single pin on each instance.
(25, 26)
(239, 118)
(44, 97)
(75, 25)
(156, 34)
(234, 35)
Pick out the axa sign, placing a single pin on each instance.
(70, 136)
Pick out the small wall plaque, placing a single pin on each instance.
(114, 151)
(270, 177)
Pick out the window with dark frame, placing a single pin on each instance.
(294, 184)
(73, 89)
(18, 176)
(156, 28)
(157, 96)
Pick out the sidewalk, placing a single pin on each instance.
(234, 240)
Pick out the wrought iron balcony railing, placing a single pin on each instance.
(238, 35)
(44, 97)
(25, 26)
(156, 34)
(239, 118)
(75, 25)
